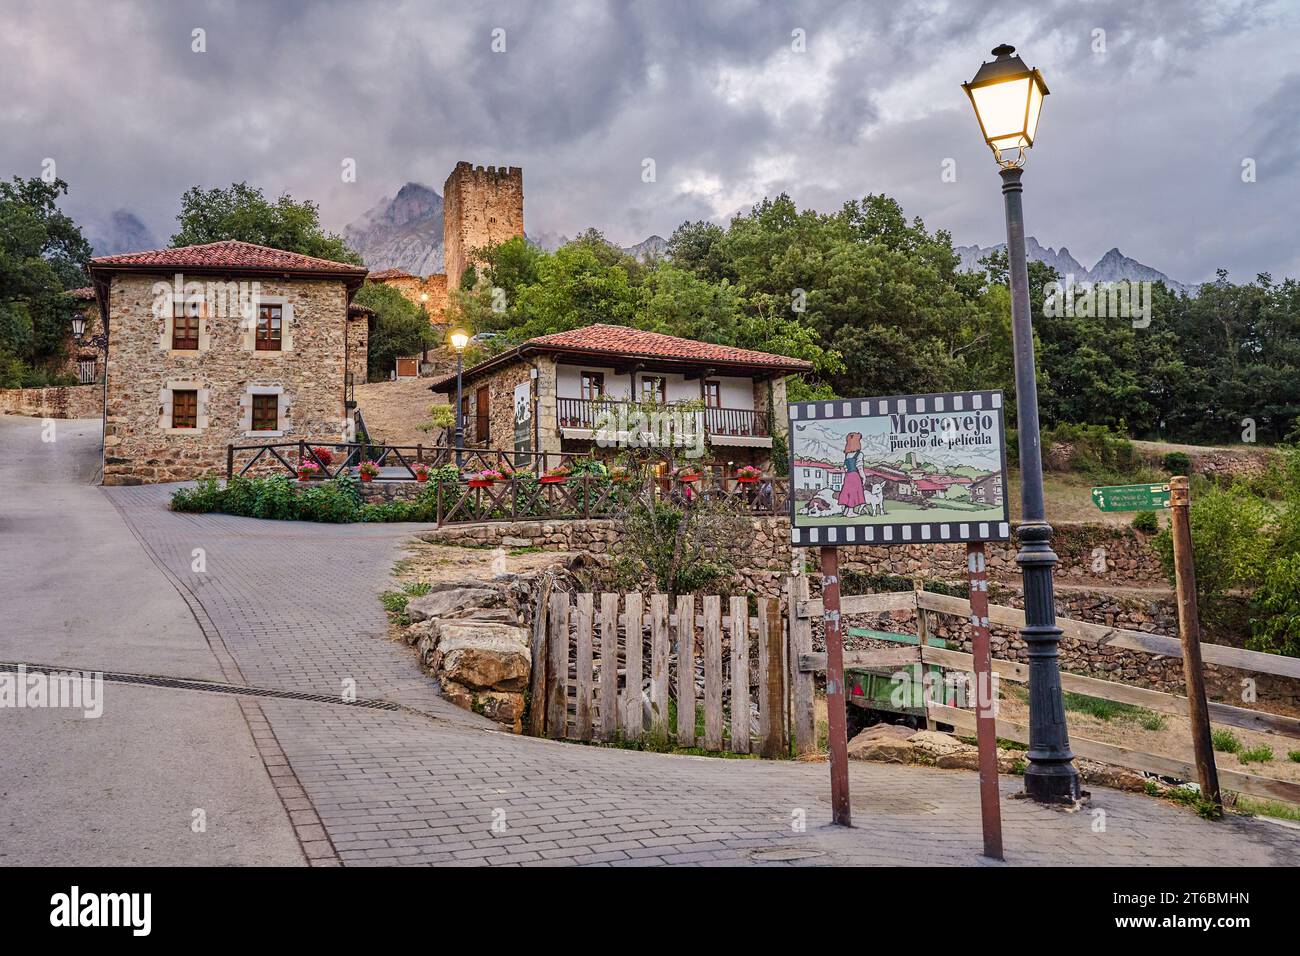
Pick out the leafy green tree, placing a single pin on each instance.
(42, 253)
(401, 328)
(243, 213)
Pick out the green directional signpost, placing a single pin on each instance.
(1148, 497)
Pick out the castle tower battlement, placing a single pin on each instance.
(482, 206)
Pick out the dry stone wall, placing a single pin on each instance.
(62, 401)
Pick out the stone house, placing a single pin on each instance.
(217, 344)
(605, 387)
(81, 356)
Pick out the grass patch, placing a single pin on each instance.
(1260, 754)
(1188, 797)
(1003, 743)
(394, 602)
(526, 549)
(1268, 808)
(1104, 709)
(1225, 741)
(662, 745)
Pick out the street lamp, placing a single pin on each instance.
(459, 338)
(1007, 97)
(78, 325)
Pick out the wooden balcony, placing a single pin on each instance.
(733, 422)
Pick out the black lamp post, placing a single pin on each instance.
(459, 339)
(1008, 96)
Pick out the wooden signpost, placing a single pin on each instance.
(1176, 497)
(903, 470)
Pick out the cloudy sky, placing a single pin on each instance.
(1154, 109)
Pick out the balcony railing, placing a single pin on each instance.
(587, 412)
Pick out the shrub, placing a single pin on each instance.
(1094, 450)
(1146, 522)
(679, 548)
(1260, 754)
(1176, 463)
(1230, 546)
(1225, 741)
(1276, 628)
(1293, 756)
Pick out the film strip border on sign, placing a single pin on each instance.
(895, 405)
(938, 532)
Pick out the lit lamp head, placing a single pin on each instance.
(78, 325)
(1007, 96)
(424, 297)
(459, 339)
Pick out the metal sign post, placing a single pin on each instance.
(986, 732)
(1189, 632)
(836, 718)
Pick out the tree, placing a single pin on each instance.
(401, 328)
(42, 253)
(243, 213)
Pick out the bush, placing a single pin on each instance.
(1146, 522)
(1225, 741)
(1230, 546)
(1260, 754)
(1095, 450)
(1275, 626)
(1176, 463)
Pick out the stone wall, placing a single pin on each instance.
(768, 555)
(307, 375)
(427, 291)
(481, 207)
(60, 401)
(358, 348)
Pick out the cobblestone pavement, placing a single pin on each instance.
(293, 606)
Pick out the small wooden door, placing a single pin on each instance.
(407, 367)
(481, 417)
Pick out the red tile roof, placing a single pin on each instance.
(86, 292)
(620, 340)
(230, 255)
(389, 274)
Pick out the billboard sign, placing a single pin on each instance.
(904, 469)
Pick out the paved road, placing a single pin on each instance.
(292, 607)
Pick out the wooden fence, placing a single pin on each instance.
(925, 603)
(630, 669)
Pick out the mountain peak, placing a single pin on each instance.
(404, 232)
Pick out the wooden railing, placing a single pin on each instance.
(740, 422)
(803, 610)
(344, 457)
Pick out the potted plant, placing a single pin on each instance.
(421, 471)
(307, 470)
(368, 470)
(748, 474)
(620, 476)
(483, 479)
(687, 474)
(555, 476)
(323, 455)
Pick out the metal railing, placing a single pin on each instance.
(586, 412)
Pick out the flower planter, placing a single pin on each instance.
(422, 478)
(553, 479)
(479, 483)
(688, 479)
(304, 476)
(367, 477)
(746, 481)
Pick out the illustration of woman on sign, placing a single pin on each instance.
(852, 495)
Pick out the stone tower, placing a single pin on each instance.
(481, 207)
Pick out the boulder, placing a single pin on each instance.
(484, 655)
(969, 759)
(458, 694)
(503, 707)
(452, 602)
(884, 742)
(935, 744)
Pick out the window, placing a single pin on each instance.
(268, 328)
(713, 394)
(185, 325)
(266, 413)
(87, 371)
(593, 385)
(481, 416)
(654, 388)
(185, 408)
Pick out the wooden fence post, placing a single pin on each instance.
(800, 628)
(686, 670)
(537, 677)
(712, 672)
(1189, 631)
(659, 665)
(836, 719)
(923, 641)
(739, 675)
(557, 678)
(771, 684)
(582, 718)
(633, 712)
(986, 733)
(608, 666)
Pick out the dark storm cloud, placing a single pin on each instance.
(1140, 147)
